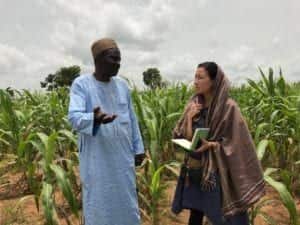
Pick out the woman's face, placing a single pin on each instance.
(202, 81)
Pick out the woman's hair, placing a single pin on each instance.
(211, 68)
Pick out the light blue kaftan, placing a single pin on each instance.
(106, 152)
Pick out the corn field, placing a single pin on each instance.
(36, 140)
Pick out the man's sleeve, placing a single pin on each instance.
(137, 141)
(80, 120)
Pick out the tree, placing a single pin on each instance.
(63, 77)
(152, 78)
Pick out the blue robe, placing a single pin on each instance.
(106, 151)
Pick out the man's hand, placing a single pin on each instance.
(139, 159)
(101, 117)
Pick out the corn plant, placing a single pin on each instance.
(272, 112)
(53, 176)
(151, 189)
(157, 111)
(285, 196)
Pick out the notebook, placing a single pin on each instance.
(191, 145)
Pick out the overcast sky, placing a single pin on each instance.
(39, 36)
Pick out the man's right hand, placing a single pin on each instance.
(101, 117)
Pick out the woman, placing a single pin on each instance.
(224, 177)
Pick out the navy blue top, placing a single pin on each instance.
(199, 122)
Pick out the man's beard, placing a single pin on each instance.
(111, 69)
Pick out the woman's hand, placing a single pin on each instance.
(194, 110)
(206, 145)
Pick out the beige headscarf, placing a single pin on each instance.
(234, 156)
(101, 45)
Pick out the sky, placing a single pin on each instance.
(37, 37)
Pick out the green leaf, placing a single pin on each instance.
(286, 198)
(271, 82)
(273, 115)
(49, 146)
(261, 148)
(269, 171)
(69, 135)
(259, 130)
(48, 205)
(155, 183)
(255, 86)
(65, 186)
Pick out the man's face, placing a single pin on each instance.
(109, 62)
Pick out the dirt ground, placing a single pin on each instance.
(17, 207)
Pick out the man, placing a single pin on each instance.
(110, 142)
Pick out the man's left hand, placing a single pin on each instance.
(139, 159)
